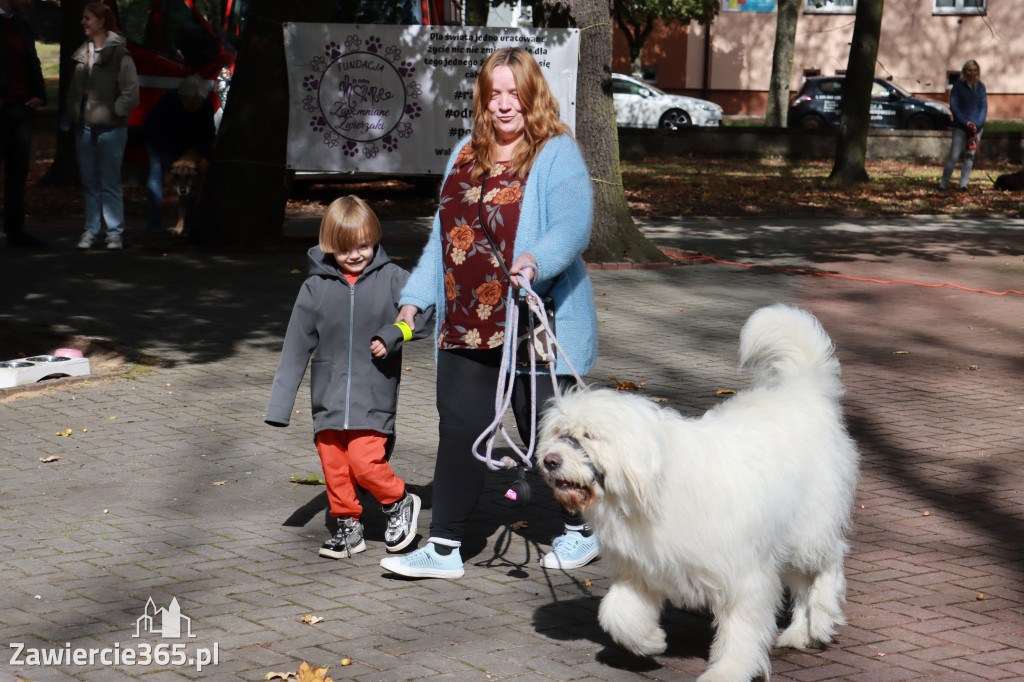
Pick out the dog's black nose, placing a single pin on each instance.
(552, 462)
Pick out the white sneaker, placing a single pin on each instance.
(426, 563)
(571, 550)
(114, 242)
(87, 240)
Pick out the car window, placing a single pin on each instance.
(879, 90)
(175, 33)
(831, 87)
(623, 87)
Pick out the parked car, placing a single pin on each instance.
(819, 103)
(641, 105)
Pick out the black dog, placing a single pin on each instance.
(1011, 182)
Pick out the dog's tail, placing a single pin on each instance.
(781, 343)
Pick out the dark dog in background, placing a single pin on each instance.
(186, 177)
(1011, 182)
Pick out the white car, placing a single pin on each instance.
(641, 105)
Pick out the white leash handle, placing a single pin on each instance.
(506, 383)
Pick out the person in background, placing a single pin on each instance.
(22, 91)
(181, 121)
(104, 89)
(969, 103)
(521, 177)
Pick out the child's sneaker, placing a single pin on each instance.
(571, 550)
(346, 542)
(402, 517)
(426, 563)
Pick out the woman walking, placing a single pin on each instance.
(969, 103)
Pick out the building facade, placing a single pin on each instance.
(923, 45)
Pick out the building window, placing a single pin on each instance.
(832, 6)
(959, 6)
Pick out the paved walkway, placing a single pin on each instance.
(170, 487)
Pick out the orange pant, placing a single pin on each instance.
(350, 457)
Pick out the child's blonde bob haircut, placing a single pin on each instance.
(348, 223)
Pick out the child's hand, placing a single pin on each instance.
(378, 348)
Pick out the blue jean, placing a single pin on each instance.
(956, 149)
(100, 153)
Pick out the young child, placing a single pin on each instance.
(344, 317)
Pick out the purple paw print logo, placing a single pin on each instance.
(318, 64)
(350, 148)
(309, 103)
(332, 50)
(405, 130)
(389, 143)
(413, 110)
(414, 90)
(331, 139)
(318, 123)
(370, 150)
(373, 44)
(311, 83)
(406, 70)
(393, 53)
(352, 42)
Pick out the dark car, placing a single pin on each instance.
(818, 106)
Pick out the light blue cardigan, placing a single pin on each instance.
(554, 227)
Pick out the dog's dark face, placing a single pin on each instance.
(183, 173)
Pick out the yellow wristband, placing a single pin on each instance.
(406, 332)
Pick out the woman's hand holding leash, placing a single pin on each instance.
(525, 266)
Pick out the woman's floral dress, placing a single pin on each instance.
(475, 285)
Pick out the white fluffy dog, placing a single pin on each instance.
(723, 511)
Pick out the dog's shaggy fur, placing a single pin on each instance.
(186, 177)
(724, 511)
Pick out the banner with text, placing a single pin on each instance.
(376, 98)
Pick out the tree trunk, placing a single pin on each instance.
(64, 169)
(851, 148)
(247, 185)
(615, 237)
(782, 63)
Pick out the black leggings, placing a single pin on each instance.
(466, 383)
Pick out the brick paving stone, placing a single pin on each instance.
(131, 511)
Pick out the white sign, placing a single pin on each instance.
(376, 98)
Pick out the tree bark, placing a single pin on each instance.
(247, 185)
(64, 169)
(851, 148)
(782, 63)
(615, 237)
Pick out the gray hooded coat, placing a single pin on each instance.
(334, 322)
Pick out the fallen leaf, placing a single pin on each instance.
(51, 458)
(973, 367)
(111, 417)
(725, 391)
(279, 676)
(295, 272)
(311, 619)
(307, 674)
(980, 596)
(312, 479)
(901, 352)
(519, 525)
(626, 385)
(927, 513)
(586, 582)
(220, 482)
(346, 661)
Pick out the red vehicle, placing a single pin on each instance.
(172, 39)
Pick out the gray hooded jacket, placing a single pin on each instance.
(334, 322)
(113, 85)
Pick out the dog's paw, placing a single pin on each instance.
(794, 638)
